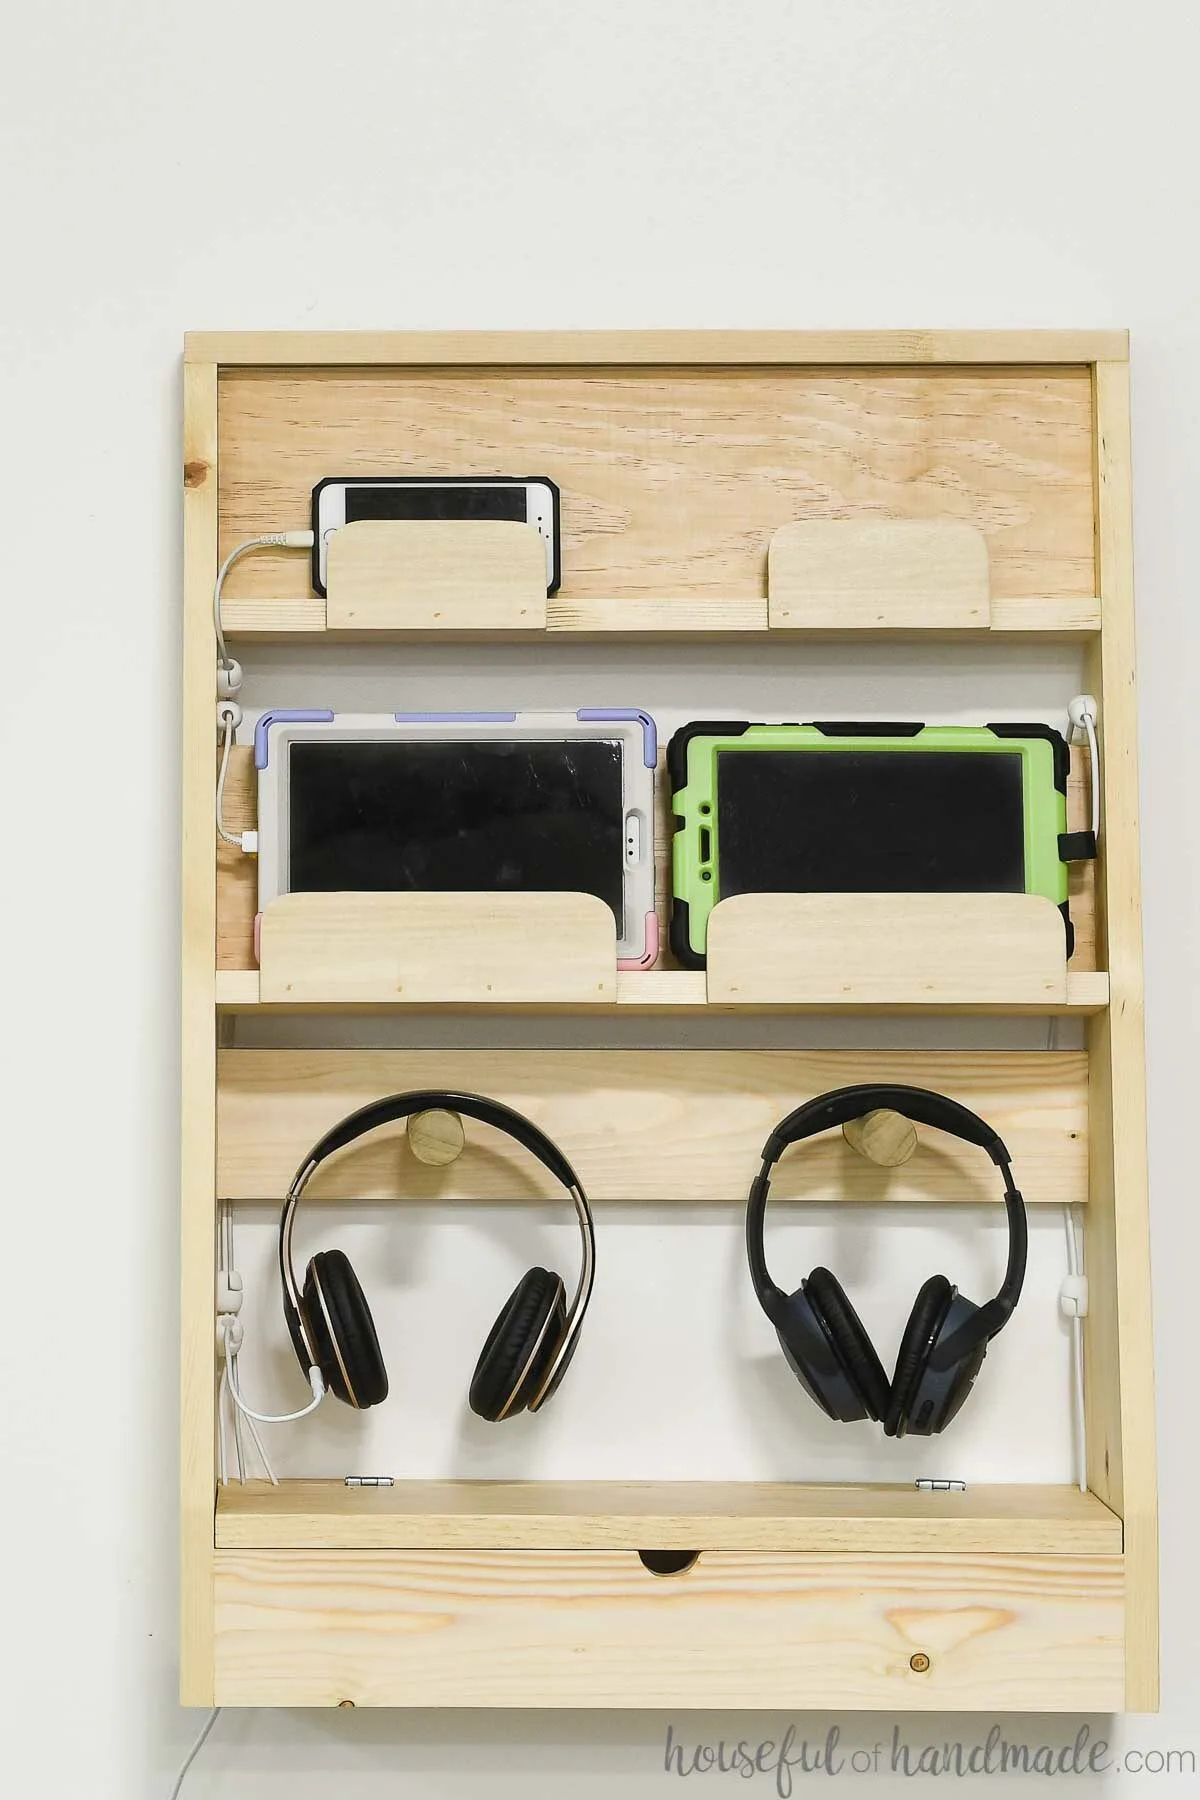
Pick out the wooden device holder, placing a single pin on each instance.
(794, 515)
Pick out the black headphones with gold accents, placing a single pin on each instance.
(330, 1324)
(822, 1337)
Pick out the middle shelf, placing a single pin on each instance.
(664, 991)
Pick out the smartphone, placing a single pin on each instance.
(342, 499)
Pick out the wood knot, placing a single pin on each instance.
(195, 474)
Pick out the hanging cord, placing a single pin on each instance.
(229, 727)
(194, 1752)
(271, 540)
(231, 1330)
(1074, 1305)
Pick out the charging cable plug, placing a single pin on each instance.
(1083, 713)
(1073, 1297)
(229, 1292)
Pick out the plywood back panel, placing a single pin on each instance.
(648, 1124)
(673, 479)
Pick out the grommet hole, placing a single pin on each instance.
(668, 1562)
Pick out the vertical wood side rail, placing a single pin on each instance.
(199, 1096)
(1120, 1369)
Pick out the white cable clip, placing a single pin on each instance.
(231, 1335)
(1073, 1297)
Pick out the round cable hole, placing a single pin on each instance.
(668, 1562)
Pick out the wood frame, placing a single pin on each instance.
(1065, 1585)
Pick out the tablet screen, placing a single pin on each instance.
(861, 821)
(469, 815)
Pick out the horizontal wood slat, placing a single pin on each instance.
(648, 1124)
(740, 1629)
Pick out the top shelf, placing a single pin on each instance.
(708, 618)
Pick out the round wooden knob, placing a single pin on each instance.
(883, 1137)
(436, 1136)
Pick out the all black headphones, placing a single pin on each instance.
(330, 1324)
(946, 1338)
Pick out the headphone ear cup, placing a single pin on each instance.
(925, 1322)
(851, 1342)
(520, 1346)
(342, 1331)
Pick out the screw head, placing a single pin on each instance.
(918, 1663)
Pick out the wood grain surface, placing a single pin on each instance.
(740, 1629)
(906, 574)
(674, 480)
(423, 574)
(903, 949)
(649, 1124)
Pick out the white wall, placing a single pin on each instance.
(516, 165)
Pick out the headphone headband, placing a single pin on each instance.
(394, 1107)
(920, 1105)
(923, 1107)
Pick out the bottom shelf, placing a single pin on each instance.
(694, 1515)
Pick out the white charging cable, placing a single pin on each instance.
(315, 1380)
(229, 717)
(1073, 1299)
(230, 1336)
(194, 1752)
(229, 675)
(1082, 714)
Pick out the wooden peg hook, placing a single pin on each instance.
(883, 1137)
(436, 1137)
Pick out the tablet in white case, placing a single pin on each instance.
(454, 802)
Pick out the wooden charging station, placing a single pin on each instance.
(930, 486)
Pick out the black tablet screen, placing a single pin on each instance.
(455, 817)
(861, 821)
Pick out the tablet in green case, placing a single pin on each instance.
(863, 808)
